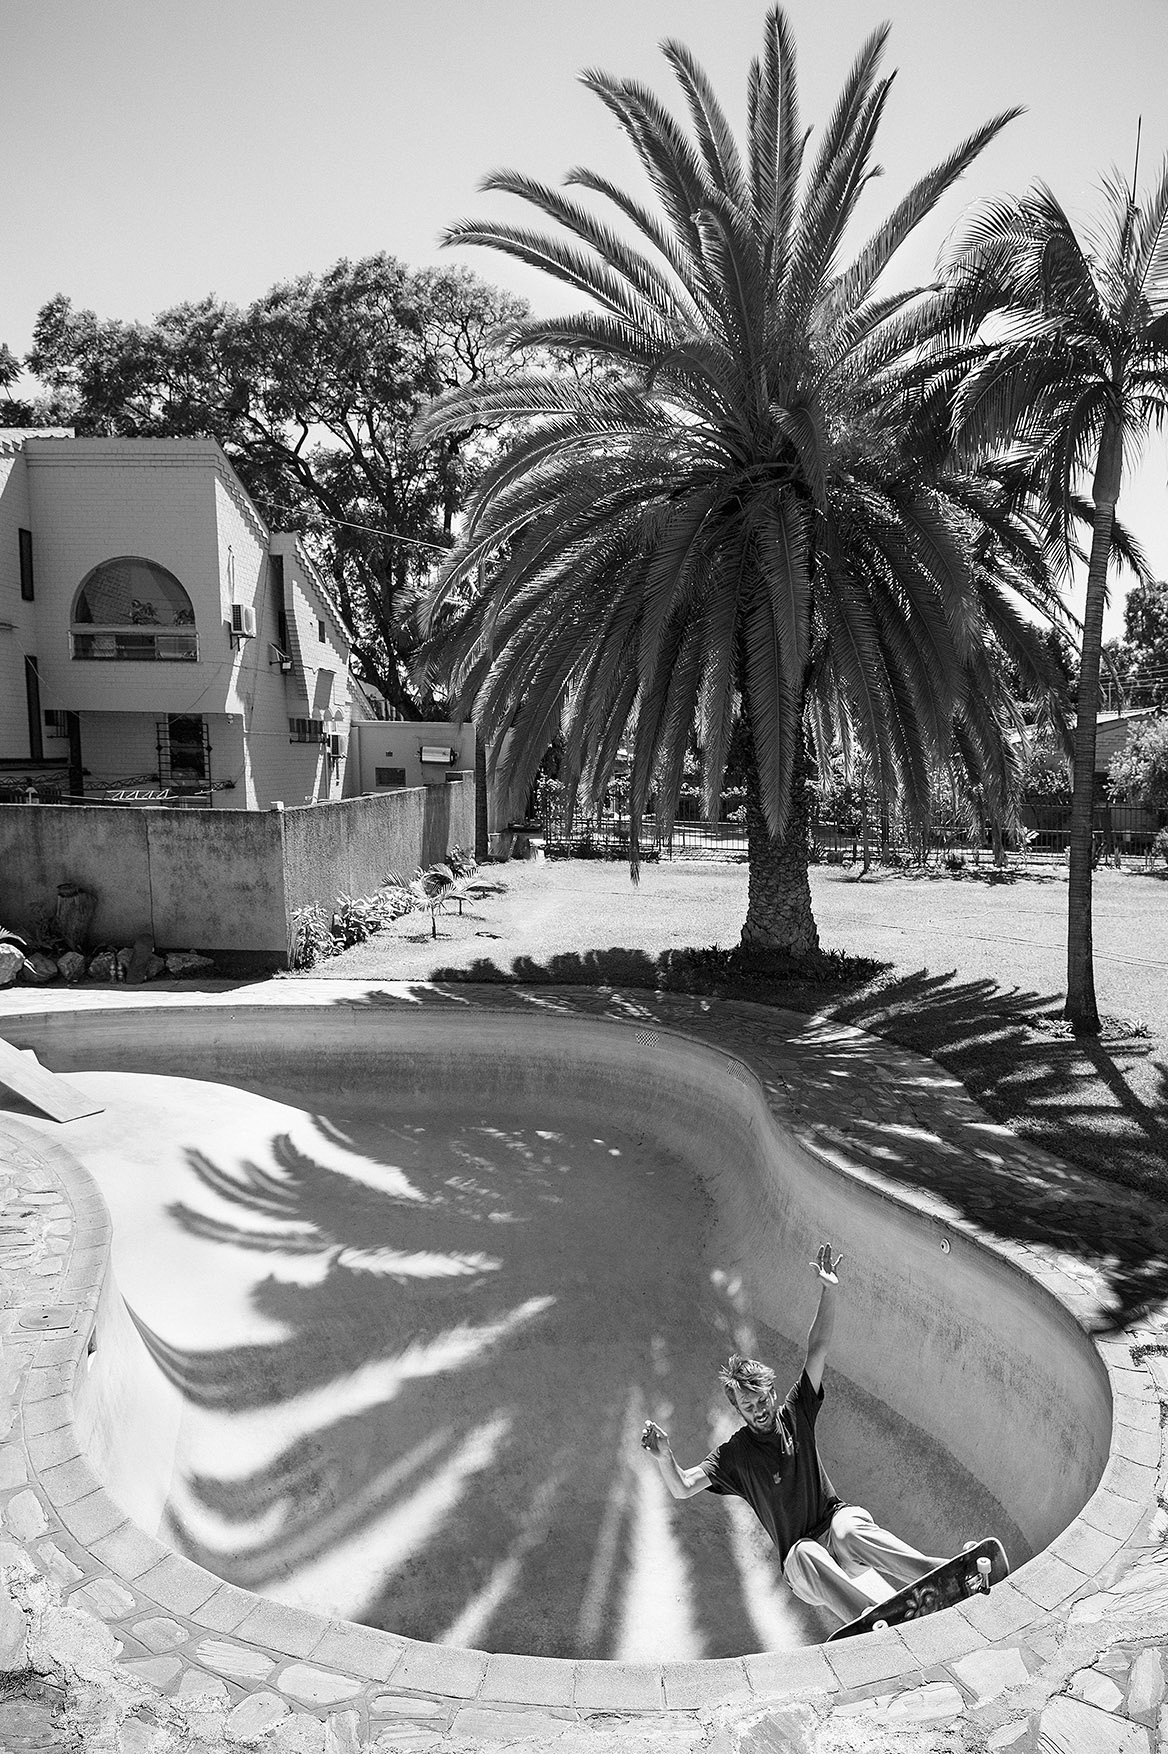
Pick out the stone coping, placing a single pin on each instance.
(180, 1629)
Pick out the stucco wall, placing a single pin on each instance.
(398, 743)
(221, 881)
(353, 844)
(217, 880)
(21, 638)
(103, 850)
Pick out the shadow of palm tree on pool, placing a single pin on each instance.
(1077, 1099)
(468, 1350)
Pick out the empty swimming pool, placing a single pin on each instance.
(392, 1293)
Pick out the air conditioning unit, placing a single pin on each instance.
(243, 620)
(337, 746)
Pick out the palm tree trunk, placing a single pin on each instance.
(1080, 1009)
(778, 909)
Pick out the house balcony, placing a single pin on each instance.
(136, 645)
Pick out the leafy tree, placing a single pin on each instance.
(1140, 769)
(1075, 375)
(1145, 644)
(312, 392)
(18, 410)
(740, 512)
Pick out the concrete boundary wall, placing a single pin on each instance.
(1088, 1584)
(222, 882)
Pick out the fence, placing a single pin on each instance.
(1120, 829)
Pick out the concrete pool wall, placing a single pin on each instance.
(777, 1080)
(953, 1339)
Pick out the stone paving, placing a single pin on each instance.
(110, 1642)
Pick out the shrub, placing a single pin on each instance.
(312, 937)
(1140, 769)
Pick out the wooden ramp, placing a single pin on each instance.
(22, 1073)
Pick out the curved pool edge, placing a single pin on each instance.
(287, 1661)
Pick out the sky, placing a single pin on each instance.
(159, 150)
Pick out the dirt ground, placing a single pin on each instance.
(969, 971)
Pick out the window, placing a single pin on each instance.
(132, 609)
(186, 750)
(320, 631)
(279, 601)
(389, 776)
(32, 698)
(305, 730)
(56, 722)
(27, 587)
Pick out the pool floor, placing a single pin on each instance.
(407, 1356)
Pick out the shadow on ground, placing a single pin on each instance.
(1076, 1098)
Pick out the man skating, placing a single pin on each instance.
(772, 1462)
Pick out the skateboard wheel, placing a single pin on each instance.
(880, 1626)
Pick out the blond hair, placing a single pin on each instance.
(744, 1373)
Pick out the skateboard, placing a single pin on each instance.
(969, 1573)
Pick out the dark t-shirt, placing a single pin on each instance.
(779, 1473)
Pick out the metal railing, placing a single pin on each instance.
(1120, 829)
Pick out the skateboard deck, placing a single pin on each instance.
(969, 1573)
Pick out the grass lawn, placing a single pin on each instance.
(967, 970)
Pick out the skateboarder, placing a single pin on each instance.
(772, 1462)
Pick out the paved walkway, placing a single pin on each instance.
(137, 1650)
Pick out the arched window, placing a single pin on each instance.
(133, 608)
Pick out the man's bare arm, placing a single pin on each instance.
(680, 1482)
(819, 1336)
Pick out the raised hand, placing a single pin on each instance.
(823, 1265)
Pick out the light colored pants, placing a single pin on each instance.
(826, 1573)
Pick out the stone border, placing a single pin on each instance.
(179, 1625)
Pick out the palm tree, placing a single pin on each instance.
(734, 510)
(1075, 377)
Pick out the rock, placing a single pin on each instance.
(25, 1517)
(103, 966)
(11, 964)
(1068, 1727)
(139, 961)
(316, 1686)
(187, 962)
(71, 966)
(256, 1714)
(13, 1630)
(1148, 1686)
(122, 963)
(155, 966)
(39, 969)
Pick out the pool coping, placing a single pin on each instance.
(306, 1662)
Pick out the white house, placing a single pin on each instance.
(158, 643)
